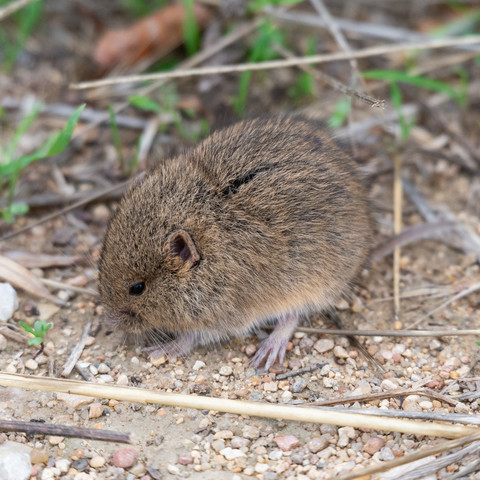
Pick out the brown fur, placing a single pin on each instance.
(277, 215)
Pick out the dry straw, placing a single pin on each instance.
(240, 407)
(289, 62)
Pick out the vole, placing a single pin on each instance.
(266, 220)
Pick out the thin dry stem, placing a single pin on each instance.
(390, 333)
(333, 82)
(71, 288)
(314, 59)
(425, 452)
(337, 34)
(239, 407)
(76, 352)
(468, 291)
(397, 229)
(34, 428)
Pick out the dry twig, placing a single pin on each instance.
(76, 352)
(389, 333)
(314, 59)
(37, 428)
(239, 407)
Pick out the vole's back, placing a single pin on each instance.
(294, 206)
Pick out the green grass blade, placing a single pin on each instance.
(20, 131)
(145, 103)
(394, 76)
(63, 137)
(191, 32)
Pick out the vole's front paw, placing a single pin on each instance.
(275, 345)
(269, 351)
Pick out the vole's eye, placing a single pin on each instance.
(137, 289)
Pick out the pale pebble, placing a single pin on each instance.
(226, 370)
(318, 443)
(55, 439)
(270, 387)
(324, 345)
(261, 467)
(138, 469)
(373, 445)
(250, 432)
(411, 404)
(239, 442)
(95, 410)
(31, 364)
(63, 464)
(185, 459)
(9, 302)
(275, 455)
(340, 352)
(49, 473)
(74, 401)
(103, 368)
(287, 442)
(124, 457)
(231, 453)
(122, 379)
(198, 365)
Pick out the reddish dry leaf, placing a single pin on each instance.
(41, 260)
(156, 34)
(20, 277)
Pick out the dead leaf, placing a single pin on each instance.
(21, 277)
(157, 34)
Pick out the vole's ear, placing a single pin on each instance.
(181, 251)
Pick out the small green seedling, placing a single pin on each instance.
(420, 81)
(25, 21)
(168, 107)
(304, 87)
(40, 328)
(11, 167)
(340, 115)
(262, 50)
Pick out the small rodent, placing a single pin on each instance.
(264, 220)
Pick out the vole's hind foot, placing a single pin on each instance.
(179, 347)
(275, 345)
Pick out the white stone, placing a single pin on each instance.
(50, 472)
(31, 364)
(63, 464)
(275, 455)
(3, 342)
(15, 461)
(198, 365)
(225, 371)
(261, 467)
(8, 301)
(173, 469)
(122, 379)
(231, 453)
